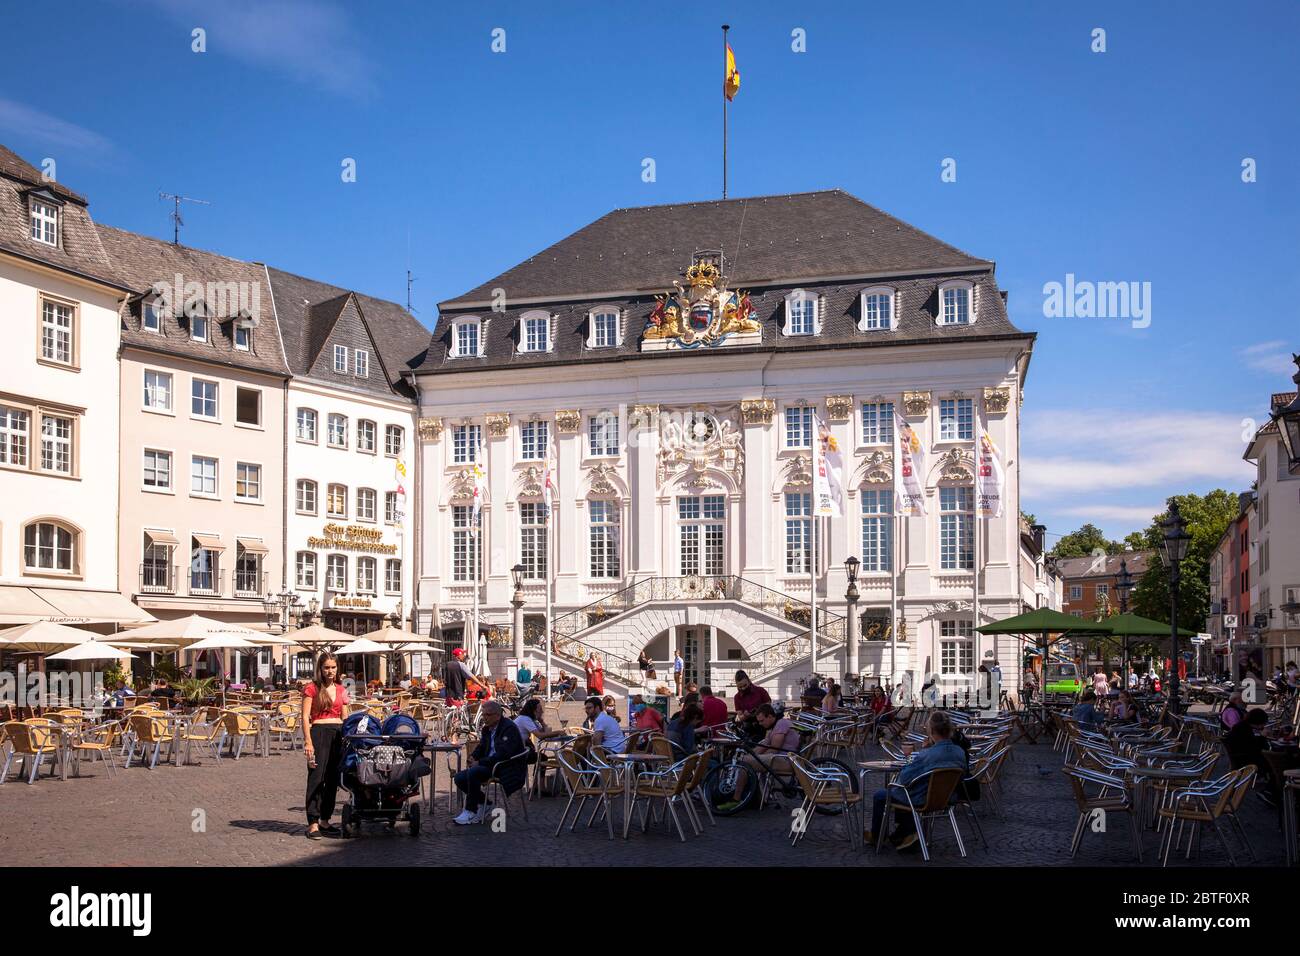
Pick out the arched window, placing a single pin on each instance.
(878, 312)
(467, 337)
(535, 331)
(50, 547)
(336, 501)
(801, 313)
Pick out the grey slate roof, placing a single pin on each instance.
(79, 249)
(141, 261)
(315, 315)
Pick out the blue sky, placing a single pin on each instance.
(1117, 166)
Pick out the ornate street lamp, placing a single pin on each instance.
(851, 565)
(517, 623)
(1123, 585)
(1173, 549)
(1288, 423)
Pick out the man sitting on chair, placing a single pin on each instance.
(500, 742)
(939, 753)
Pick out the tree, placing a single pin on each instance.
(1207, 518)
(1135, 541)
(1081, 543)
(1027, 518)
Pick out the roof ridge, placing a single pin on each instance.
(733, 199)
(172, 245)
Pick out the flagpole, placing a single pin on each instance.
(470, 642)
(979, 522)
(725, 28)
(893, 599)
(812, 577)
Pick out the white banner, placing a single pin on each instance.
(989, 478)
(828, 473)
(909, 469)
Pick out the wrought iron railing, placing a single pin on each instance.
(156, 578)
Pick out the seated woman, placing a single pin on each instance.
(681, 729)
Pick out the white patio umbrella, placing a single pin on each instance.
(90, 651)
(43, 637)
(484, 667)
(188, 631)
(400, 640)
(363, 645)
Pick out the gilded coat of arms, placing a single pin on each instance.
(703, 312)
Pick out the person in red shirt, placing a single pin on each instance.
(748, 696)
(715, 708)
(323, 703)
(595, 676)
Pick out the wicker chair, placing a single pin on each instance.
(1100, 805)
(97, 741)
(147, 730)
(29, 742)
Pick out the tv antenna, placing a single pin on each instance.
(176, 219)
(410, 281)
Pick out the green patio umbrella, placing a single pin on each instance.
(1125, 626)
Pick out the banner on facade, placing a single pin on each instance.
(989, 479)
(909, 467)
(828, 473)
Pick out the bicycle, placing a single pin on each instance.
(721, 781)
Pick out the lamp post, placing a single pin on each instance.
(1123, 585)
(851, 565)
(1173, 549)
(1287, 418)
(517, 602)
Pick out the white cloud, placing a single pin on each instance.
(1271, 357)
(23, 122)
(1137, 515)
(312, 40)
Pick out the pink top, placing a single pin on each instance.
(335, 710)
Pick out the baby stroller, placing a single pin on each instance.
(382, 767)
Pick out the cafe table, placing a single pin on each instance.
(630, 761)
(548, 745)
(435, 747)
(1140, 777)
(890, 769)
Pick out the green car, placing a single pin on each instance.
(1062, 679)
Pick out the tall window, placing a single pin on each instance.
(157, 469)
(14, 436)
(798, 530)
(45, 222)
(361, 363)
(205, 575)
(366, 498)
(956, 419)
(957, 528)
(198, 323)
(48, 546)
(248, 406)
(366, 575)
(248, 572)
(798, 426)
(801, 315)
(393, 439)
(151, 316)
(158, 390)
(156, 566)
(956, 649)
(337, 430)
(393, 576)
(466, 339)
(877, 310)
(700, 528)
(56, 332)
(464, 544)
(203, 476)
(203, 398)
(532, 440)
(336, 501)
(605, 330)
(305, 569)
(602, 434)
(341, 359)
(56, 444)
(243, 337)
(306, 425)
(465, 440)
(390, 507)
(956, 306)
(306, 496)
(877, 529)
(536, 333)
(336, 573)
(248, 481)
(365, 435)
(603, 517)
(532, 539)
(877, 423)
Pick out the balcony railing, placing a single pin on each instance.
(250, 584)
(208, 583)
(157, 579)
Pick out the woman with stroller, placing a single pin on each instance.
(323, 701)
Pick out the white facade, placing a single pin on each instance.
(1275, 548)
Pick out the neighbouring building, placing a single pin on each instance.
(670, 361)
(1230, 590)
(1041, 583)
(59, 296)
(1088, 583)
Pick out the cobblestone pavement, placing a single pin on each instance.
(249, 812)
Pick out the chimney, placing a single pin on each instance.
(1040, 533)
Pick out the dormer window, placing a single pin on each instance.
(45, 221)
(604, 326)
(877, 310)
(341, 359)
(956, 303)
(199, 323)
(151, 315)
(535, 332)
(467, 338)
(243, 337)
(801, 316)
(361, 363)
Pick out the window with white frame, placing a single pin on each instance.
(157, 469)
(701, 534)
(305, 570)
(366, 498)
(533, 438)
(307, 425)
(603, 538)
(366, 431)
(801, 313)
(15, 436)
(604, 330)
(248, 571)
(464, 544)
(877, 310)
(798, 426)
(305, 496)
(336, 430)
(390, 507)
(602, 434)
(57, 325)
(336, 573)
(204, 399)
(466, 339)
(366, 575)
(877, 423)
(393, 576)
(50, 547)
(956, 649)
(45, 221)
(199, 322)
(361, 363)
(151, 315)
(1103, 592)
(248, 481)
(156, 572)
(56, 443)
(1076, 592)
(205, 568)
(798, 531)
(394, 438)
(336, 501)
(341, 359)
(203, 476)
(877, 529)
(955, 303)
(535, 332)
(465, 441)
(957, 528)
(157, 391)
(532, 540)
(243, 336)
(956, 419)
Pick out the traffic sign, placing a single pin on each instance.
(1229, 620)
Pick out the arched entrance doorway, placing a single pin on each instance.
(709, 654)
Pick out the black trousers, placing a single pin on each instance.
(323, 779)
(470, 782)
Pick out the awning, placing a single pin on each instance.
(210, 541)
(162, 537)
(22, 605)
(251, 545)
(18, 605)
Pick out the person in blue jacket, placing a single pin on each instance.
(940, 753)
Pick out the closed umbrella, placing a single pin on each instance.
(484, 667)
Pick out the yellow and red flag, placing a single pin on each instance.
(731, 83)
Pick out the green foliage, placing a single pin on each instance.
(113, 674)
(1081, 543)
(194, 690)
(1027, 518)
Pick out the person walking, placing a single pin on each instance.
(679, 667)
(322, 721)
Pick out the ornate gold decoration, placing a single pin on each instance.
(462, 483)
(757, 411)
(568, 421)
(643, 416)
(704, 312)
(996, 400)
(839, 407)
(498, 424)
(430, 429)
(877, 468)
(916, 403)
